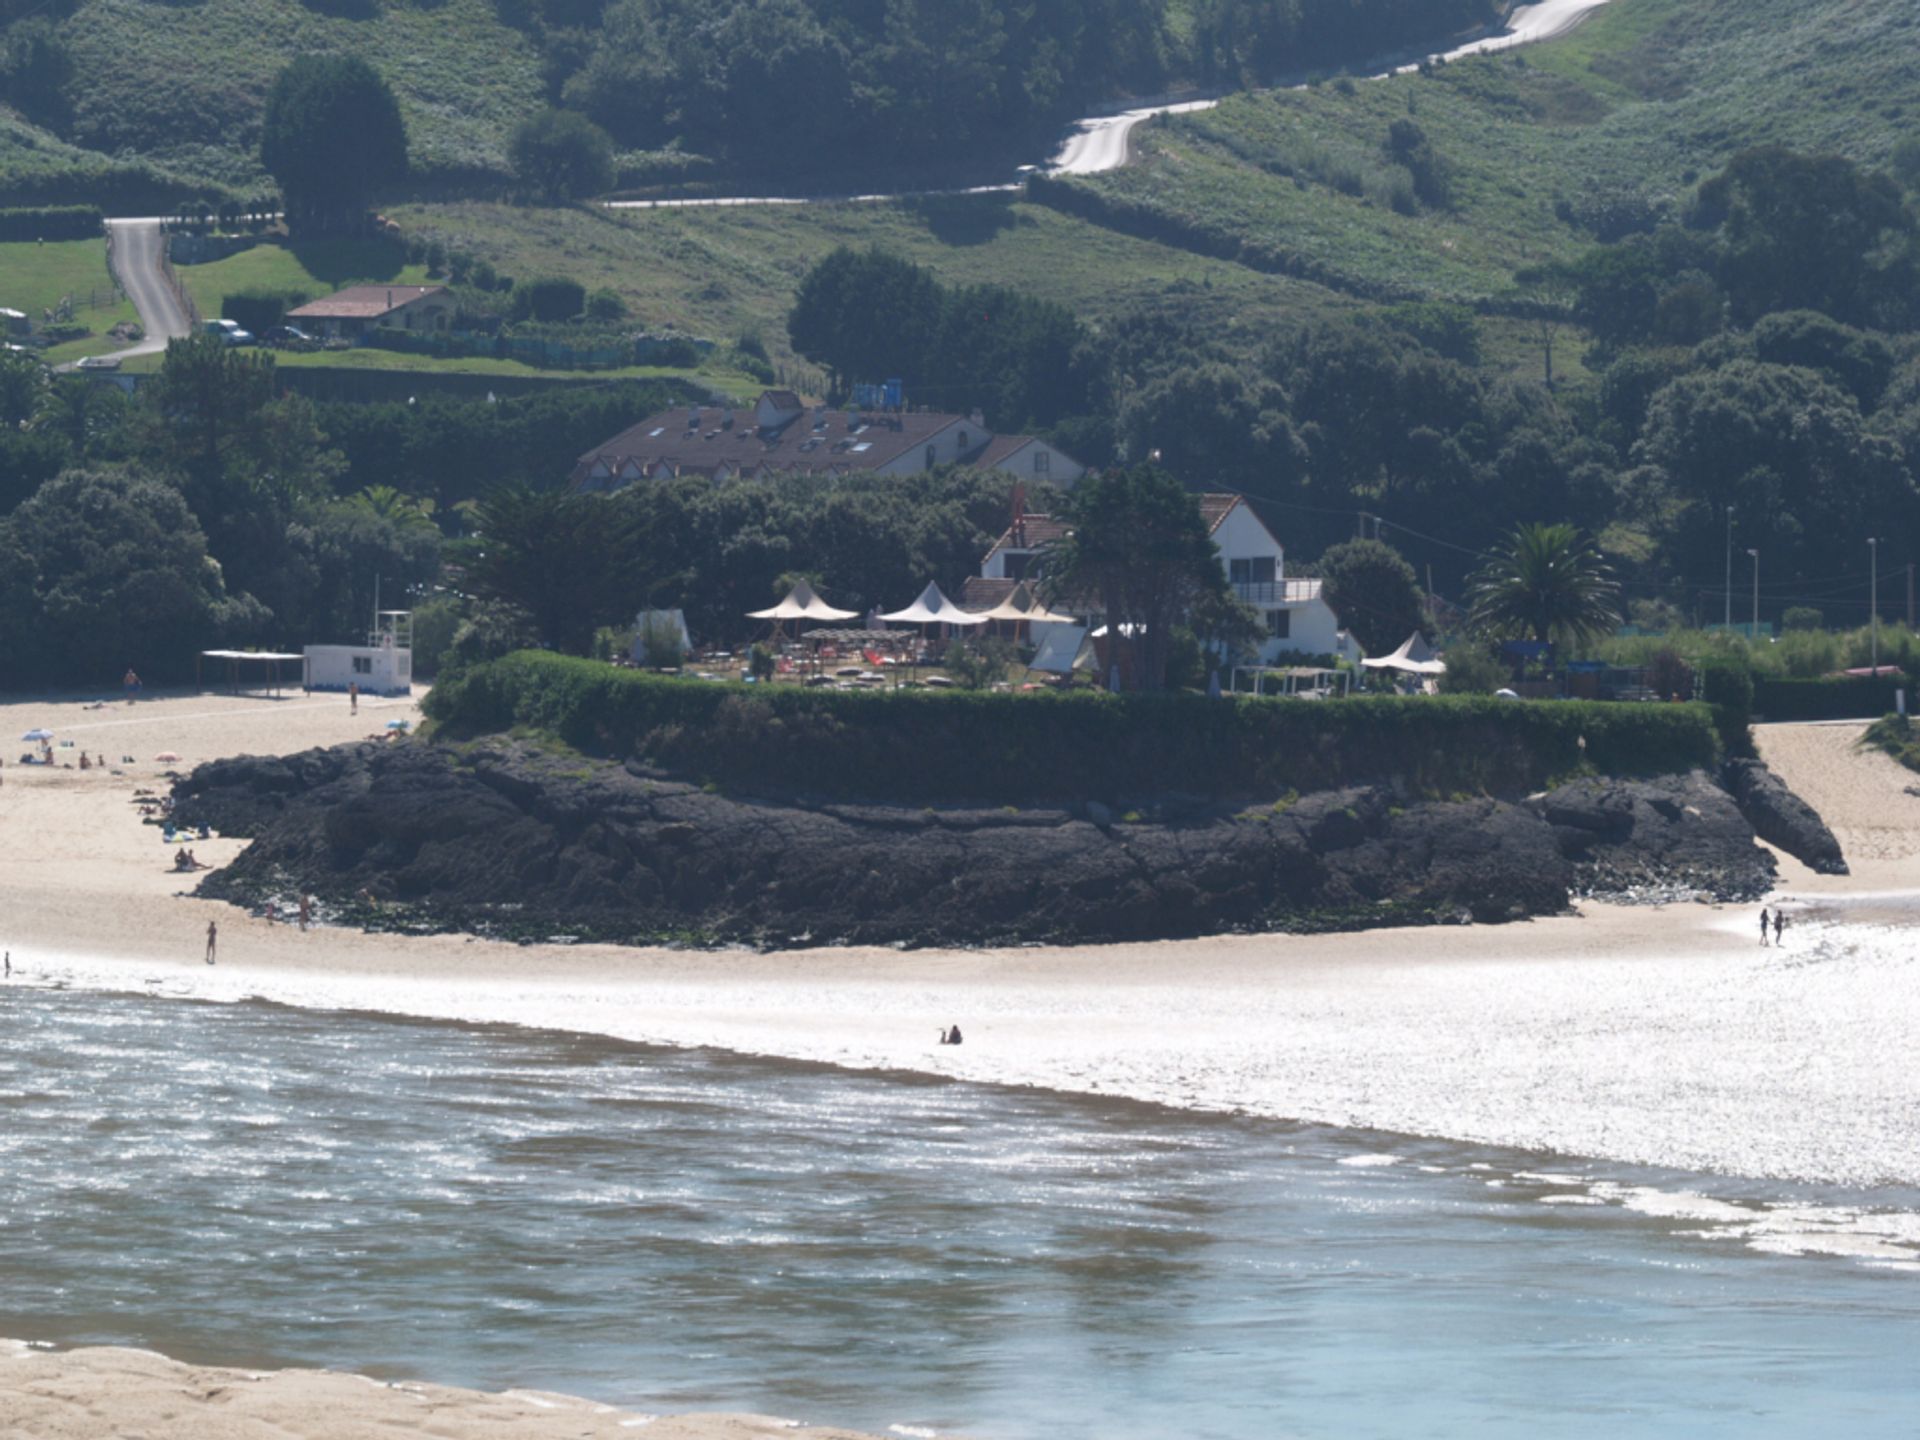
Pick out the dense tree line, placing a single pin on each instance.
(217, 508)
(869, 316)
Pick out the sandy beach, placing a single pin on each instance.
(87, 1394)
(1647, 1035)
(1659, 1035)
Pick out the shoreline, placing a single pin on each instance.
(1556, 1035)
(83, 1392)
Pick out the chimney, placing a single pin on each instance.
(977, 418)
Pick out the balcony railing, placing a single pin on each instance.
(1261, 592)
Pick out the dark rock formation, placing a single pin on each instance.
(507, 840)
(1782, 818)
(1632, 839)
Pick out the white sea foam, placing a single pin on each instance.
(1762, 1062)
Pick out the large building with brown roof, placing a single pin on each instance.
(782, 436)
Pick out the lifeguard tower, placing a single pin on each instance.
(382, 666)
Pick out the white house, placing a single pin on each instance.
(1299, 620)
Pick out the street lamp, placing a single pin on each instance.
(1754, 634)
(1727, 594)
(1873, 618)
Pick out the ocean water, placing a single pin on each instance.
(682, 1229)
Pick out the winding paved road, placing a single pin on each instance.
(136, 261)
(1104, 142)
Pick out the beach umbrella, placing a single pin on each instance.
(38, 735)
(167, 757)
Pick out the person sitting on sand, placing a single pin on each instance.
(950, 1036)
(83, 761)
(180, 861)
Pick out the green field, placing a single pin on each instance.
(34, 278)
(316, 268)
(1643, 100)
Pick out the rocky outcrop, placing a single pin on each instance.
(503, 839)
(1782, 818)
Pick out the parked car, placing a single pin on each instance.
(291, 337)
(229, 331)
(99, 362)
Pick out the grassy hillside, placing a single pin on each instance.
(720, 272)
(1638, 103)
(184, 85)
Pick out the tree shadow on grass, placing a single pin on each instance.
(966, 219)
(343, 260)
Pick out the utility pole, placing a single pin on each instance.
(1910, 624)
(1728, 620)
(1754, 634)
(1873, 616)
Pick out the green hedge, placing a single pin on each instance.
(51, 222)
(926, 745)
(1860, 698)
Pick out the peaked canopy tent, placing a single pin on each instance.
(801, 604)
(1023, 607)
(1414, 657)
(934, 608)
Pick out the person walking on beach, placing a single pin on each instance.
(306, 910)
(132, 682)
(1765, 920)
(1779, 923)
(213, 938)
(353, 697)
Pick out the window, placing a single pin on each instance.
(1255, 571)
(363, 664)
(1016, 564)
(933, 456)
(1042, 462)
(1280, 624)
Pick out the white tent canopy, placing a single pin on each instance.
(1022, 605)
(802, 604)
(934, 608)
(1414, 656)
(1064, 650)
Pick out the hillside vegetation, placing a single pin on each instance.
(1534, 153)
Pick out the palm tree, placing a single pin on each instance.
(1550, 584)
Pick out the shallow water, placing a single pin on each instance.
(677, 1230)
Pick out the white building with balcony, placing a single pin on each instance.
(1299, 620)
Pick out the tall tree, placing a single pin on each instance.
(1549, 584)
(332, 137)
(1139, 545)
(1374, 591)
(567, 560)
(561, 155)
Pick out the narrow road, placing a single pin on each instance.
(1103, 142)
(136, 261)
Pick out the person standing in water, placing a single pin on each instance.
(1765, 920)
(213, 938)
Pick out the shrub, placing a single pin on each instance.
(1474, 669)
(606, 304)
(552, 297)
(1853, 699)
(50, 222)
(909, 745)
(1802, 617)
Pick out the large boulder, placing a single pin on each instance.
(1782, 818)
